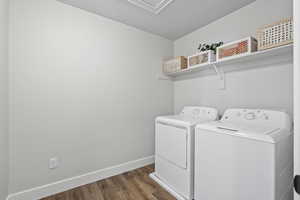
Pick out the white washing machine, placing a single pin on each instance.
(247, 155)
(174, 150)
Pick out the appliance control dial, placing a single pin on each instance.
(265, 116)
(250, 116)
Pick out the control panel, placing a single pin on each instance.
(258, 117)
(200, 112)
(247, 115)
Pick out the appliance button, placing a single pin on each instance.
(266, 117)
(250, 116)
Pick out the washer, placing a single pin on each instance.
(247, 155)
(174, 150)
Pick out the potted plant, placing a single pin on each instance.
(213, 47)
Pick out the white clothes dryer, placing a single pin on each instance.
(174, 150)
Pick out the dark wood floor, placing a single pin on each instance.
(134, 185)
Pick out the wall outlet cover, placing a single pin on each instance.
(53, 163)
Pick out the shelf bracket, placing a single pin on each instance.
(163, 77)
(221, 75)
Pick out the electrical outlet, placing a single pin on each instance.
(53, 163)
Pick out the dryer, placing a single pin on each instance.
(247, 155)
(174, 150)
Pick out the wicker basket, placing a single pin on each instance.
(201, 58)
(236, 48)
(175, 65)
(276, 34)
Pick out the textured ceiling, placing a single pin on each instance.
(180, 17)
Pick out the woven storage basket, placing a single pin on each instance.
(175, 65)
(237, 48)
(275, 35)
(201, 58)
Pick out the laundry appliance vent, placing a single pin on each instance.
(154, 6)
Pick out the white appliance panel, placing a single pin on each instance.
(247, 155)
(176, 178)
(171, 144)
(174, 150)
(233, 168)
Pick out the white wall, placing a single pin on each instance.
(297, 91)
(266, 87)
(83, 88)
(3, 99)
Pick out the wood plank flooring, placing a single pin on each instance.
(133, 185)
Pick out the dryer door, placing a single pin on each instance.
(171, 144)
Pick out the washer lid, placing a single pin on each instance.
(260, 133)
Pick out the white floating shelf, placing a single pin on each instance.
(261, 58)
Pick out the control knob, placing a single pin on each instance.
(250, 116)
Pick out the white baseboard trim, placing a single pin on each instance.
(70, 183)
(166, 187)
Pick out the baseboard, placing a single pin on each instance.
(67, 184)
(166, 187)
